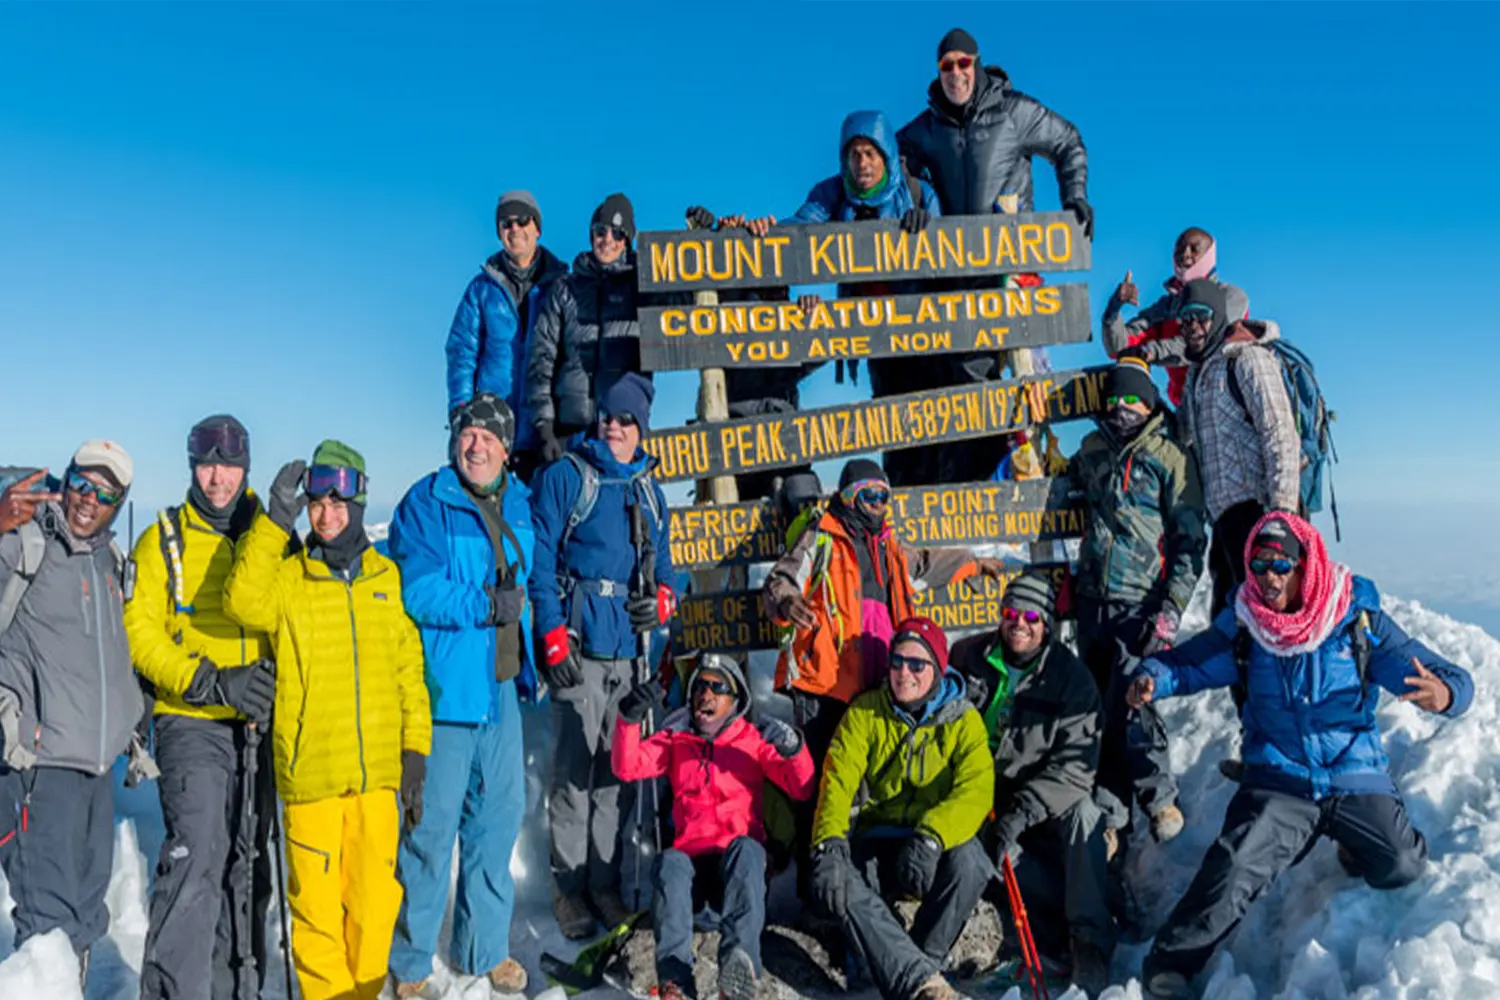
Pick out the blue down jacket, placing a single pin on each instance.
(439, 540)
(832, 201)
(1308, 731)
(599, 550)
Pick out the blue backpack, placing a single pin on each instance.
(1314, 420)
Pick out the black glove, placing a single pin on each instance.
(831, 871)
(552, 448)
(506, 603)
(566, 673)
(249, 690)
(413, 778)
(639, 701)
(915, 220)
(782, 737)
(917, 864)
(644, 612)
(699, 217)
(1084, 213)
(287, 498)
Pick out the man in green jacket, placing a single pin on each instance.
(918, 749)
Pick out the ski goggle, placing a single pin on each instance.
(910, 664)
(1281, 566)
(874, 496)
(224, 442)
(613, 232)
(1128, 400)
(340, 480)
(83, 486)
(958, 62)
(1202, 315)
(717, 685)
(1029, 616)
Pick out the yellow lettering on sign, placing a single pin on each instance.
(663, 264)
(733, 319)
(896, 250)
(819, 251)
(926, 311)
(984, 257)
(855, 267)
(702, 321)
(1059, 242)
(1017, 302)
(736, 351)
(1048, 300)
(708, 251)
(790, 315)
(1005, 248)
(776, 243)
(844, 308)
(696, 271)
(871, 312)
(1031, 237)
(747, 258)
(763, 319)
(859, 345)
(950, 303)
(951, 244)
(923, 251)
(894, 318)
(821, 318)
(673, 321)
(991, 306)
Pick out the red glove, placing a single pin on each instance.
(666, 603)
(556, 645)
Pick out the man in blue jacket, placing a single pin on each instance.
(603, 580)
(487, 342)
(463, 539)
(1306, 638)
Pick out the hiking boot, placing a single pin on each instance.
(610, 908)
(1169, 986)
(573, 916)
(737, 976)
(1232, 768)
(936, 988)
(1166, 823)
(1090, 966)
(508, 977)
(672, 991)
(1111, 843)
(426, 989)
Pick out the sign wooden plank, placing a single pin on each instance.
(960, 246)
(779, 333)
(735, 621)
(957, 413)
(962, 514)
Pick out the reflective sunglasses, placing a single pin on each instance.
(514, 221)
(623, 419)
(1029, 616)
(874, 496)
(1127, 400)
(960, 62)
(218, 441)
(1196, 314)
(717, 685)
(1281, 566)
(613, 232)
(77, 483)
(911, 664)
(340, 480)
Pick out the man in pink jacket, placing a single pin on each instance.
(717, 763)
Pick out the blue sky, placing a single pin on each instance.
(273, 209)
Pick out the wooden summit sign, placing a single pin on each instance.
(780, 333)
(778, 440)
(735, 621)
(961, 246)
(962, 515)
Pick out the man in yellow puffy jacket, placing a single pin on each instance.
(214, 688)
(353, 725)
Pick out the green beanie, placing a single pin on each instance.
(335, 452)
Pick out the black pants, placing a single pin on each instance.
(209, 898)
(732, 884)
(818, 716)
(897, 962)
(1226, 550)
(1264, 834)
(1134, 758)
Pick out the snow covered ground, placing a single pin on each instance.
(1317, 935)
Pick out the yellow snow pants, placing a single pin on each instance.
(343, 893)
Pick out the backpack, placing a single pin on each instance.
(588, 494)
(33, 549)
(1314, 420)
(1360, 647)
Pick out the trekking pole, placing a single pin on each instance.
(247, 986)
(1029, 957)
(646, 576)
(284, 924)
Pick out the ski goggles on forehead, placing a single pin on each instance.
(83, 486)
(1029, 615)
(218, 441)
(1281, 566)
(340, 480)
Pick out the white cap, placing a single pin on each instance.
(97, 453)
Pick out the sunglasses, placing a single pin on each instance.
(339, 480)
(911, 664)
(1013, 614)
(515, 221)
(222, 441)
(717, 685)
(961, 62)
(1202, 317)
(1128, 400)
(77, 483)
(613, 232)
(1280, 566)
(874, 496)
(623, 419)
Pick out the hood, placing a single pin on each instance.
(990, 89)
(51, 519)
(1262, 331)
(741, 708)
(950, 702)
(597, 453)
(587, 263)
(871, 125)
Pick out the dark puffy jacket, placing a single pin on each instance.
(1047, 752)
(1310, 726)
(65, 657)
(586, 338)
(600, 549)
(486, 346)
(1146, 522)
(977, 153)
(831, 200)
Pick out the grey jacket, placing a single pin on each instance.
(65, 657)
(1047, 752)
(1119, 332)
(975, 154)
(1254, 455)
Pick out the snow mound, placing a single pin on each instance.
(45, 968)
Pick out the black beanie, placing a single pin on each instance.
(857, 469)
(616, 211)
(1131, 376)
(486, 411)
(1277, 536)
(958, 40)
